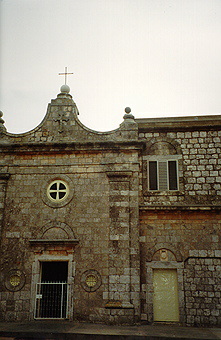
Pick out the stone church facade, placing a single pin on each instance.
(113, 227)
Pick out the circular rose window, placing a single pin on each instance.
(90, 280)
(14, 280)
(57, 191)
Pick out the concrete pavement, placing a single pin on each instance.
(66, 330)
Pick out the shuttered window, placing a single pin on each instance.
(172, 171)
(163, 175)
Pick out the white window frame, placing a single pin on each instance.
(66, 191)
(163, 159)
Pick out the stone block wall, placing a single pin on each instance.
(193, 237)
(27, 212)
(203, 289)
(199, 166)
(184, 231)
(87, 216)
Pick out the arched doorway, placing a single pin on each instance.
(165, 287)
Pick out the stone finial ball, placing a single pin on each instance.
(127, 110)
(65, 89)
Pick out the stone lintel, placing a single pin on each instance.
(118, 305)
(116, 174)
(62, 242)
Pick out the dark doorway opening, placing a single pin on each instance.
(51, 299)
(54, 271)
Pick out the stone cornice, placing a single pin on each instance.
(69, 147)
(191, 123)
(181, 207)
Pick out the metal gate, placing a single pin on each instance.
(51, 300)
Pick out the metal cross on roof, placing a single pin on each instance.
(65, 75)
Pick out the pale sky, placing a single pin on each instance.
(160, 57)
